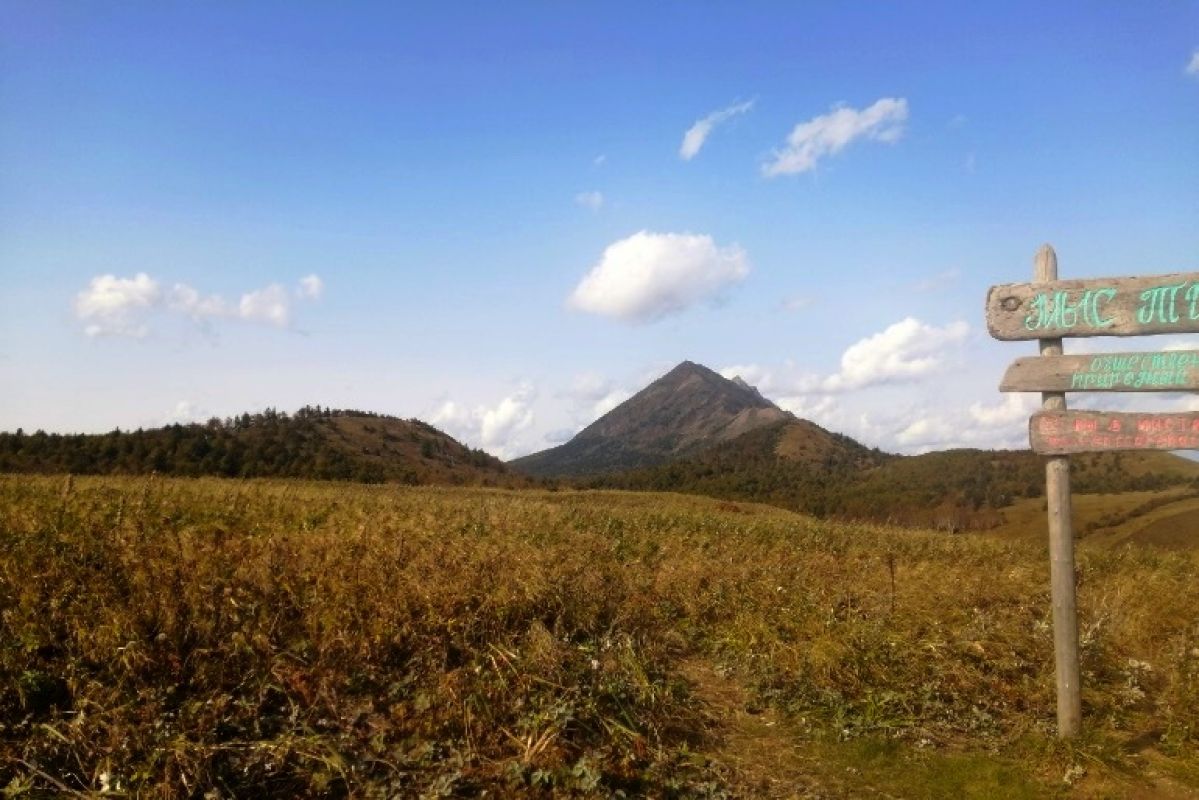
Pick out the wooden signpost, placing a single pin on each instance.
(1171, 371)
(1065, 432)
(1101, 307)
(1049, 310)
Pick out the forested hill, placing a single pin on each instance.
(312, 443)
(951, 489)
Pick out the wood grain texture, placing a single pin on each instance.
(1171, 371)
(1066, 432)
(1095, 307)
(1061, 543)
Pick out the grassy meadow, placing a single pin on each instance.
(217, 638)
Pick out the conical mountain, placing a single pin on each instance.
(689, 409)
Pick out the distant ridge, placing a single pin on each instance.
(800, 466)
(687, 410)
(313, 443)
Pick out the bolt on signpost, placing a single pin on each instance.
(1048, 310)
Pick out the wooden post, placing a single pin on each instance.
(1061, 544)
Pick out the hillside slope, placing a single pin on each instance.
(952, 489)
(313, 443)
(688, 409)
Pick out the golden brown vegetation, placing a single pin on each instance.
(171, 638)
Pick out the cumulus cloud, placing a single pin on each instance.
(753, 374)
(953, 426)
(590, 200)
(786, 380)
(610, 401)
(186, 300)
(697, 134)
(1193, 65)
(497, 425)
(493, 428)
(112, 306)
(311, 287)
(589, 397)
(926, 431)
(271, 305)
(1013, 409)
(897, 414)
(906, 350)
(651, 275)
(816, 409)
(185, 412)
(829, 133)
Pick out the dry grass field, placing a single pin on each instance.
(1165, 518)
(213, 638)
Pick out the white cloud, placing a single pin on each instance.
(590, 200)
(1193, 64)
(785, 380)
(1006, 427)
(610, 401)
(560, 436)
(112, 306)
(651, 275)
(187, 300)
(512, 415)
(697, 134)
(185, 412)
(926, 431)
(1012, 409)
(599, 160)
(816, 409)
(270, 304)
(753, 374)
(311, 287)
(590, 396)
(829, 133)
(121, 306)
(495, 429)
(907, 350)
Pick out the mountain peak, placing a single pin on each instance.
(687, 410)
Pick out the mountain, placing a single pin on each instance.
(694, 431)
(685, 411)
(313, 443)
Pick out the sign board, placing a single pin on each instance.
(1099, 307)
(1049, 310)
(1066, 432)
(1170, 371)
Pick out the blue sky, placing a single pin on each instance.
(480, 214)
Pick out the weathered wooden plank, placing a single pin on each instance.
(1065, 432)
(1169, 371)
(1097, 307)
(1061, 542)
